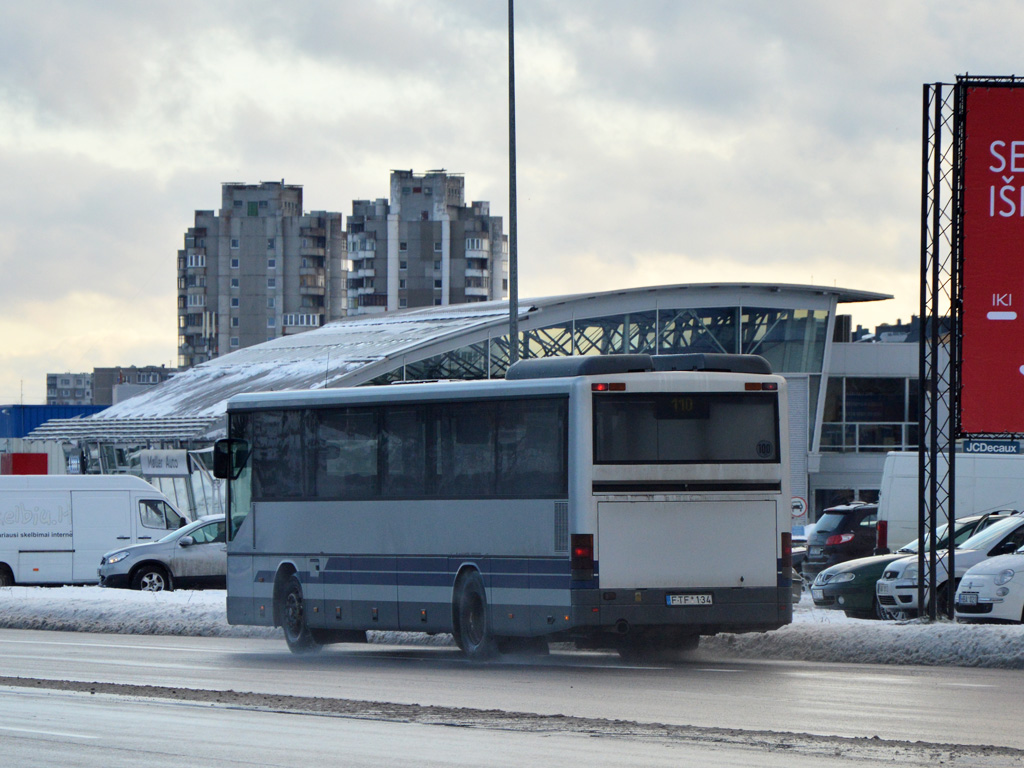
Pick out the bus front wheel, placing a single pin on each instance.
(472, 626)
(293, 619)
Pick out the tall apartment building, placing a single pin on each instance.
(111, 385)
(104, 385)
(69, 389)
(257, 269)
(424, 246)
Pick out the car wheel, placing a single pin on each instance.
(152, 578)
(942, 598)
(879, 611)
(293, 620)
(472, 628)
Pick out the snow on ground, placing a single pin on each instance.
(815, 634)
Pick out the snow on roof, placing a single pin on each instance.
(325, 356)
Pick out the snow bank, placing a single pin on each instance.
(815, 634)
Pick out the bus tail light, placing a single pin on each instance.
(582, 556)
(882, 535)
(839, 538)
(614, 386)
(761, 386)
(787, 551)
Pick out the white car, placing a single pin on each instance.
(992, 590)
(194, 556)
(897, 589)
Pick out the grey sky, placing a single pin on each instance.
(659, 141)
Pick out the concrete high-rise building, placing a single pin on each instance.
(112, 385)
(257, 269)
(424, 246)
(69, 389)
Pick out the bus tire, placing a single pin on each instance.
(152, 578)
(472, 619)
(293, 619)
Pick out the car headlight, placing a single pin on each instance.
(1004, 576)
(910, 572)
(117, 557)
(840, 578)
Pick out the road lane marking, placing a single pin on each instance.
(39, 732)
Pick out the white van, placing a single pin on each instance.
(984, 483)
(55, 528)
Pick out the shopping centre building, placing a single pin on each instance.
(849, 403)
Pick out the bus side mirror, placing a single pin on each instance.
(229, 458)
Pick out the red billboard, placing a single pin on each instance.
(992, 373)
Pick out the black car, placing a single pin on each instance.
(841, 533)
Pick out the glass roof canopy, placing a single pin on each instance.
(790, 325)
(793, 340)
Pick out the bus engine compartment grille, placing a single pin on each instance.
(561, 526)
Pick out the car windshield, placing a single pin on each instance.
(940, 538)
(185, 530)
(963, 531)
(993, 534)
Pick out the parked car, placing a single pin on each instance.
(897, 588)
(194, 556)
(992, 590)
(850, 586)
(841, 533)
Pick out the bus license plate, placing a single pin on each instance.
(688, 599)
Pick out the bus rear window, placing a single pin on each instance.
(686, 428)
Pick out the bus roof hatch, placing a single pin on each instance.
(712, 361)
(600, 365)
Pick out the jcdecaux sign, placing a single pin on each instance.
(991, 446)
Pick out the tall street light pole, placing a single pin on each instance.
(513, 251)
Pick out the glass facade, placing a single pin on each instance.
(865, 414)
(792, 340)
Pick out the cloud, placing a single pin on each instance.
(657, 141)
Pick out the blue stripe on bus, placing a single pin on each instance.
(439, 571)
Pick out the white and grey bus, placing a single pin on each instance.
(617, 502)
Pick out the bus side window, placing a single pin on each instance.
(532, 437)
(465, 449)
(346, 451)
(405, 463)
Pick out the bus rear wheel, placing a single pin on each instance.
(472, 623)
(293, 619)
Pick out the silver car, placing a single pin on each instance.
(194, 556)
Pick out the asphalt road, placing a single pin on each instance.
(740, 713)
